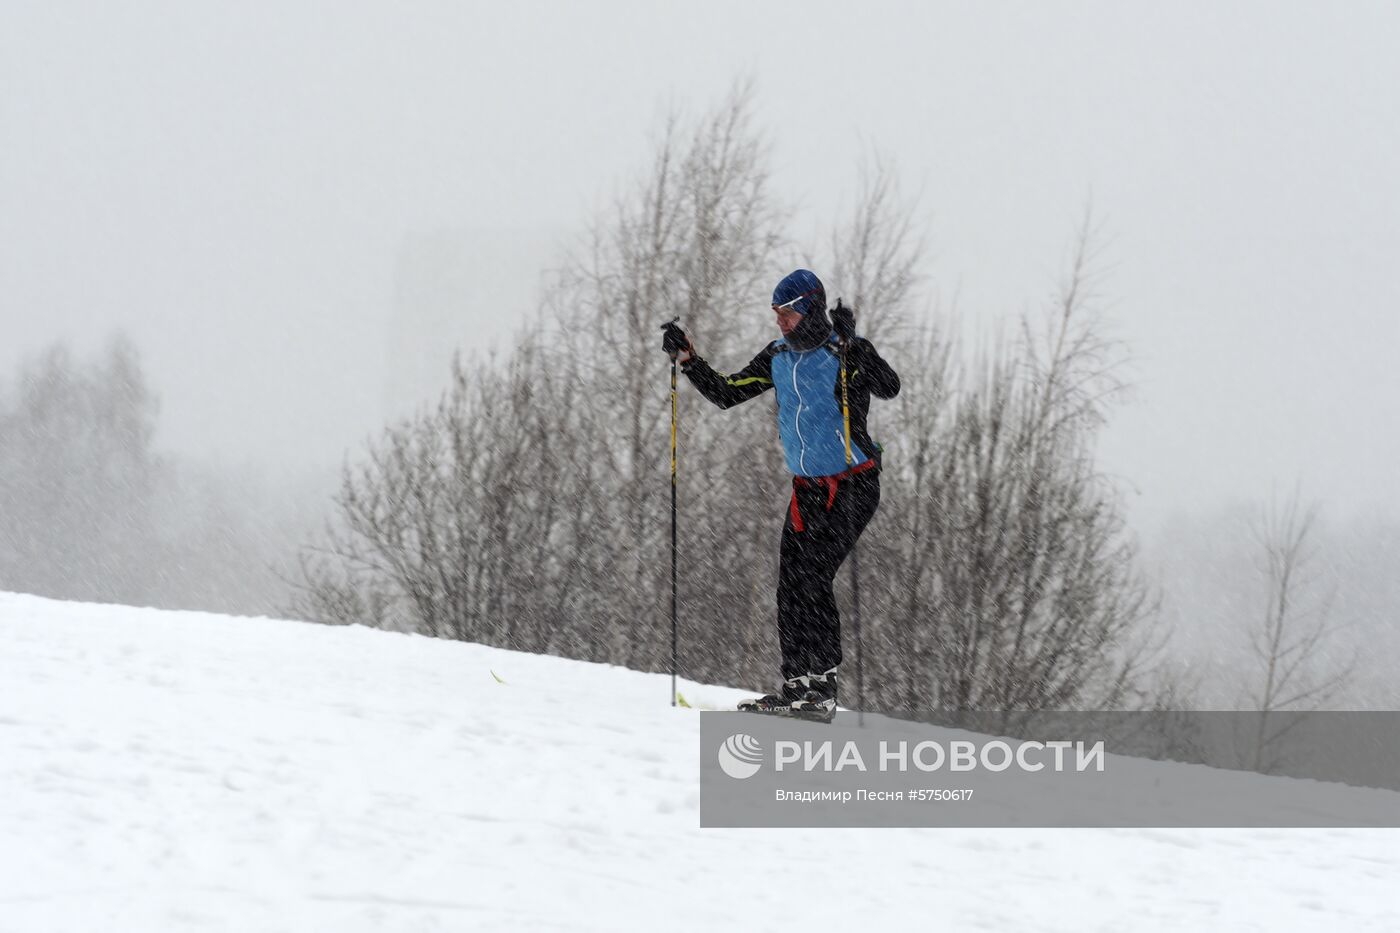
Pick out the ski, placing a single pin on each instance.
(815, 714)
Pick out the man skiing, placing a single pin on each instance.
(836, 474)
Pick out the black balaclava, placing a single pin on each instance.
(803, 292)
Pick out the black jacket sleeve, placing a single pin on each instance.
(871, 370)
(728, 391)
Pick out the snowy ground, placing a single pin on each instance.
(182, 771)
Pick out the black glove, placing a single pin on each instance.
(843, 321)
(674, 341)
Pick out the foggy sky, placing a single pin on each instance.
(252, 192)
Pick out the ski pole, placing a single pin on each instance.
(845, 401)
(855, 549)
(855, 617)
(675, 423)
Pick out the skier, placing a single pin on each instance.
(835, 487)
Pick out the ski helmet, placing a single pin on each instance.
(802, 291)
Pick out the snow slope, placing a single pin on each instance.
(183, 771)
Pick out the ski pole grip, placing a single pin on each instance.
(673, 324)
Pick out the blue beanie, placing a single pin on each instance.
(802, 291)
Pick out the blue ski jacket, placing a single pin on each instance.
(807, 384)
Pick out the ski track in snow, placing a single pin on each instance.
(174, 771)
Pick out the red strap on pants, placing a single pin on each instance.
(828, 482)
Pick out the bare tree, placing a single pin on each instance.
(440, 529)
(693, 240)
(1292, 635)
(876, 254)
(78, 479)
(1022, 588)
(529, 509)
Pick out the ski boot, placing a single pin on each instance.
(818, 701)
(777, 703)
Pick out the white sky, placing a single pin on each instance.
(234, 185)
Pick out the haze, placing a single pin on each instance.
(297, 212)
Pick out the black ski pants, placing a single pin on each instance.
(824, 521)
